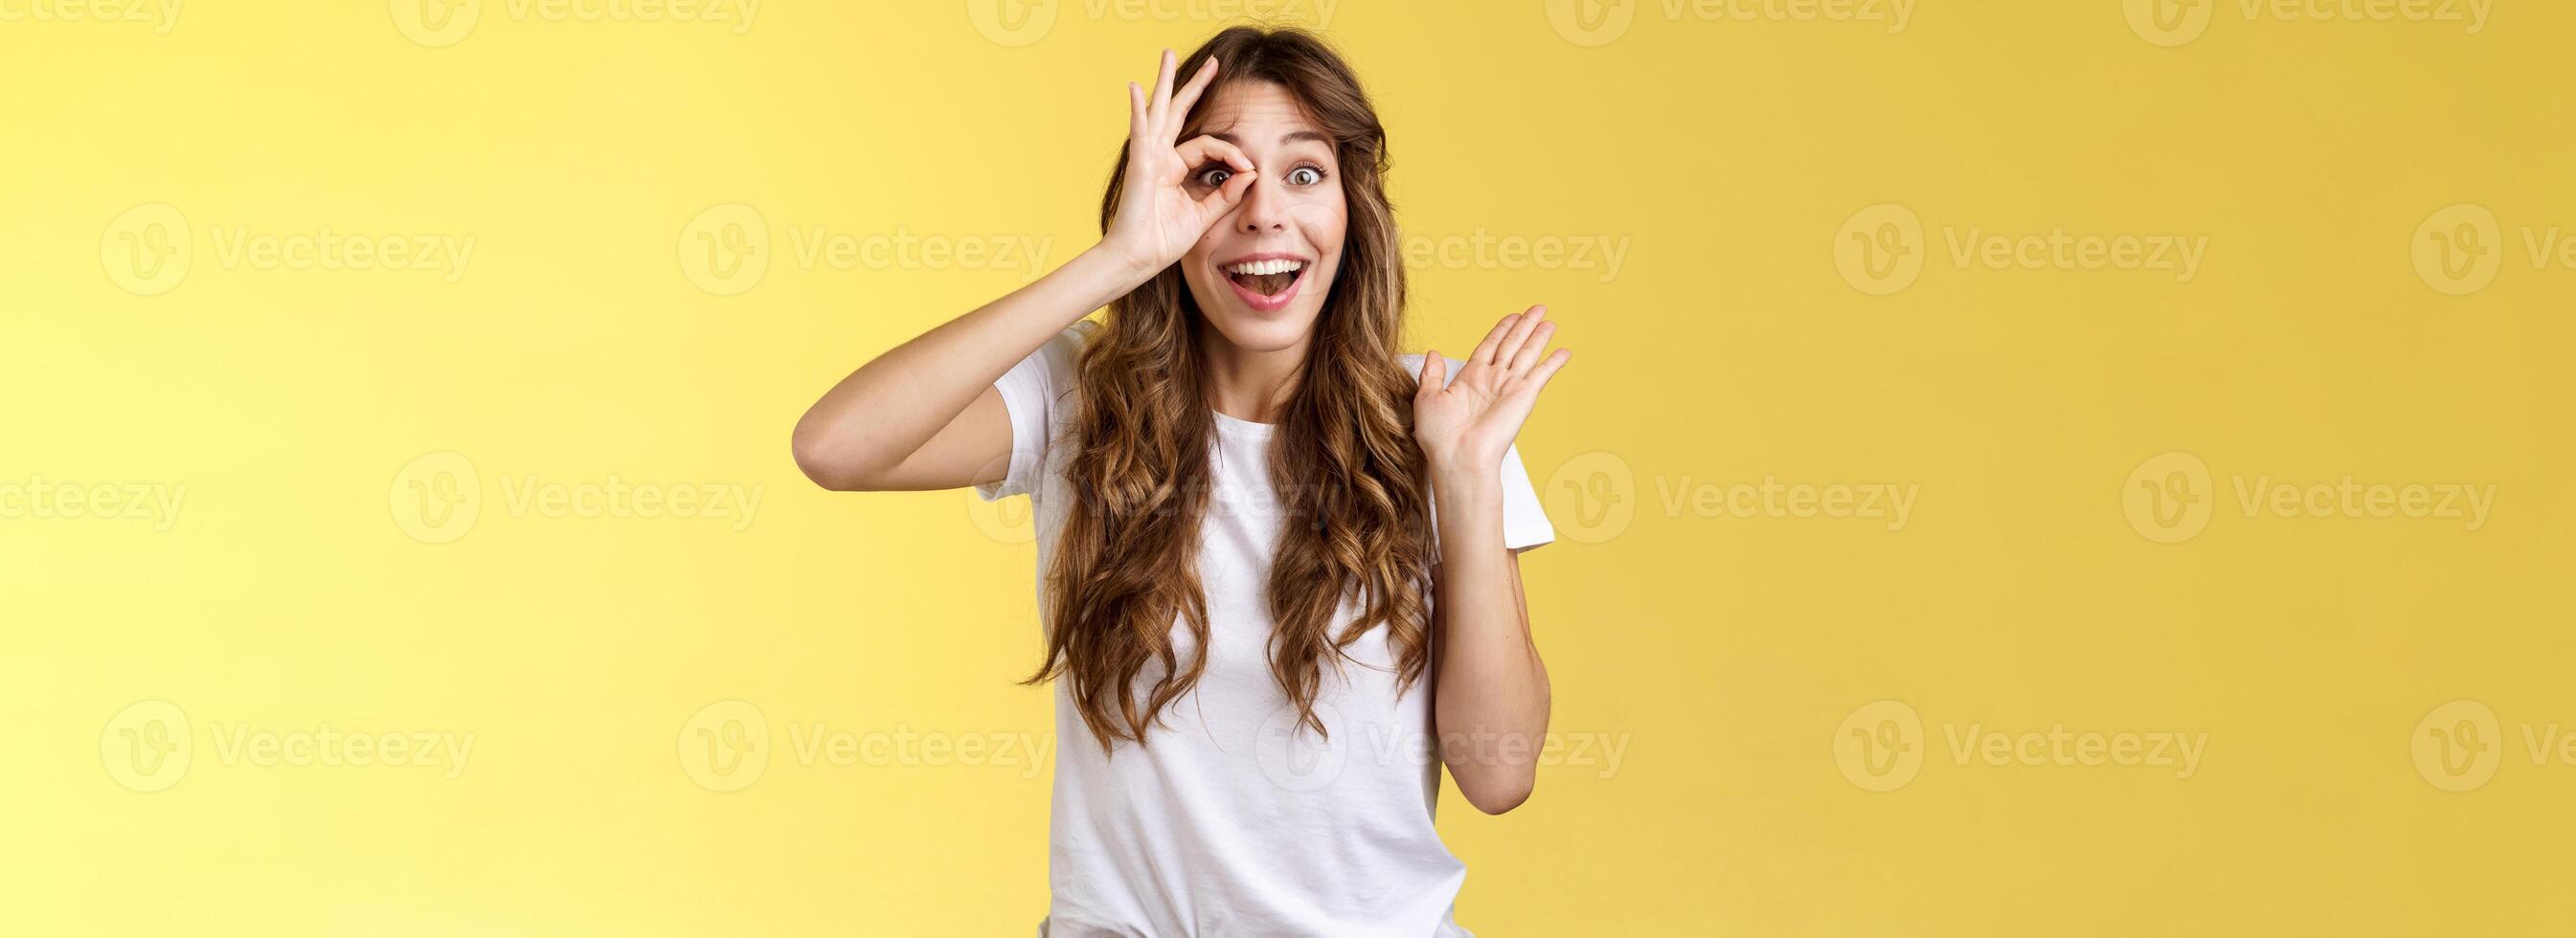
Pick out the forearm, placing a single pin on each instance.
(1491, 690)
(889, 407)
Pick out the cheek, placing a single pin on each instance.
(1323, 224)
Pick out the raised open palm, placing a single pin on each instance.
(1158, 218)
(1468, 422)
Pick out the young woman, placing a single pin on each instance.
(1277, 557)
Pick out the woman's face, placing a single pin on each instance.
(1260, 273)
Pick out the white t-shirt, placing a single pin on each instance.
(1233, 822)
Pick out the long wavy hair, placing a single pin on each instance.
(1126, 574)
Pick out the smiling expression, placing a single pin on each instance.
(1261, 273)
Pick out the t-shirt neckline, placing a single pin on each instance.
(1240, 425)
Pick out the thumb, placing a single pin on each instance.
(1435, 374)
(1230, 194)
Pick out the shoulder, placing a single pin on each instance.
(1049, 374)
(1054, 363)
(1069, 342)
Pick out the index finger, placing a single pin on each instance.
(1202, 147)
(1189, 96)
(1162, 97)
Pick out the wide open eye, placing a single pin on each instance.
(1305, 176)
(1215, 176)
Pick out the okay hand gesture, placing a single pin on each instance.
(1157, 218)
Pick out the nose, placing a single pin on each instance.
(1262, 210)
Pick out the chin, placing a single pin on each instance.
(1261, 333)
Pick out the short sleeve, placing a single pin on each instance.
(1525, 523)
(1033, 393)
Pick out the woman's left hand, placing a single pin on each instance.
(1466, 424)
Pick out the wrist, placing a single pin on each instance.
(1131, 266)
(1458, 461)
(1104, 275)
(1458, 480)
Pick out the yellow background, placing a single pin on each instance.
(1723, 649)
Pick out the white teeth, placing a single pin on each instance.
(1264, 267)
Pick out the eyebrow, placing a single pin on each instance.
(1292, 136)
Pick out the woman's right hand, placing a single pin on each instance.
(1158, 218)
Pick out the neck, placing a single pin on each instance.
(1247, 384)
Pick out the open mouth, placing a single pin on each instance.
(1266, 283)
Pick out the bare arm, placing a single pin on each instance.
(1490, 691)
(1491, 695)
(925, 415)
